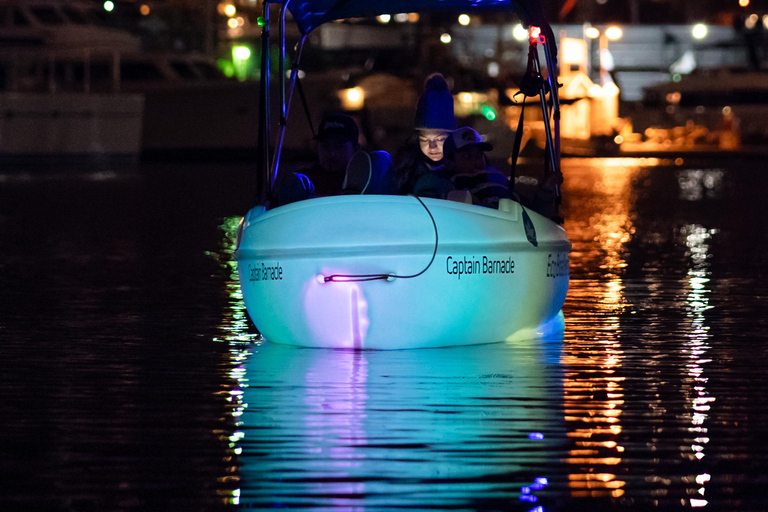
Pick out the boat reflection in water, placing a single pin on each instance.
(451, 427)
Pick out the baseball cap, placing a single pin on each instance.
(464, 138)
(338, 126)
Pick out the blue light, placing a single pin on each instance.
(537, 509)
(529, 497)
(536, 435)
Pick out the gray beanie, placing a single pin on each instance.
(435, 107)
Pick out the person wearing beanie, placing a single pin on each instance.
(420, 168)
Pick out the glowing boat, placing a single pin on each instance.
(394, 272)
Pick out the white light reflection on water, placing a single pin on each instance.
(695, 389)
(697, 184)
(241, 341)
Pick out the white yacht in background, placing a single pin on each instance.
(47, 108)
(71, 85)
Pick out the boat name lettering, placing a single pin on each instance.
(484, 265)
(265, 272)
(558, 265)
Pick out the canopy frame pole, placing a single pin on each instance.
(263, 184)
(285, 103)
(555, 99)
(545, 111)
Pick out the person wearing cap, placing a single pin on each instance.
(469, 170)
(341, 167)
(420, 168)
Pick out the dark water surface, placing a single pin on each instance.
(131, 378)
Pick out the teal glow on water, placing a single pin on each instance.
(131, 378)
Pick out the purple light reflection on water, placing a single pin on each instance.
(336, 404)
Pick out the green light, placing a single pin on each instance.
(109, 6)
(241, 52)
(676, 77)
(260, 21)
(488, 112)
(226, 67)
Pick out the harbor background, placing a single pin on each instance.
(132, 379)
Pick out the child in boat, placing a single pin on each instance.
(341, 167)
(468, 167)
(420, 167)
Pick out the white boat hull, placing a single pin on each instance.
(488, 282)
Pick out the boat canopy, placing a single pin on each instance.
(310, 14)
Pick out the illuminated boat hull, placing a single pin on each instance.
(496, 274)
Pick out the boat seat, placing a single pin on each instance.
(369, 173)
(460, 196)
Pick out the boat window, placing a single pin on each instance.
(74, 15)
(101, 71)
(139, 72)
(209, 71)
(97, 16)
(19, 18)
(183, 69)
(47, 15)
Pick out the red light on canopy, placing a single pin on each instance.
(535, 35)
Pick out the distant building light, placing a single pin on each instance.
(354, 94)
(352, 99)
(493, 69)
(401, 17)
(241, 52)
(466, 97)
(384, 18)
(109, 6)
(751, 21)
(613, 33)
(519, 33)
(230, 10)
(464, 19)
(445, 38)
(144, 9)
(413, 17)
(765, 21)
(232, 23)
(699, 31)
(592, 33)
(743, 3)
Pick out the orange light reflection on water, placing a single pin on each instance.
(593, 392)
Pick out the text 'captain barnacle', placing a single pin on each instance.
(485, 265)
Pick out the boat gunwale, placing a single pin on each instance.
(394, 249)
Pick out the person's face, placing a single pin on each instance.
(334, 154)
(431, 143)
(469, 160)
